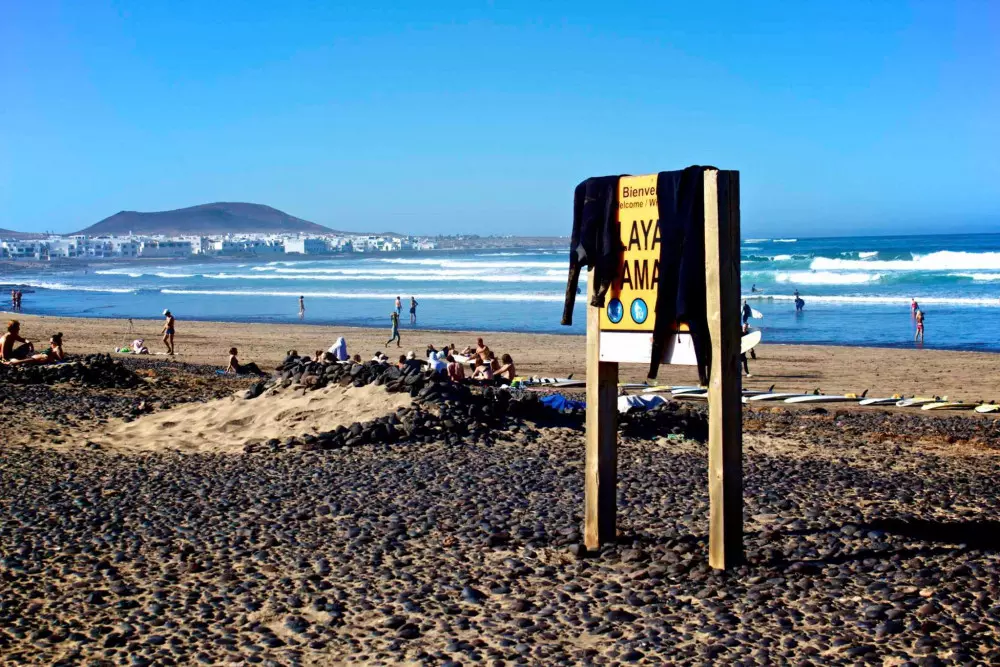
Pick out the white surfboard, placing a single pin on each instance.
(774, 397)
(756, 314)
(988, 407)
(917, 401)
(822, 398)
(881, 401)
(948, 405)
(750, 341)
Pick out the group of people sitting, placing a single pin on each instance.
(483, 366)
(18, 351)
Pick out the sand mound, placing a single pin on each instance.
(227, 424)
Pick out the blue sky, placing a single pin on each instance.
(447, 117)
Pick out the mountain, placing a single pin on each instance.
(218, 218)
(10, 234)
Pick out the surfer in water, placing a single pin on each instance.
(913, 307)
(753, 288)
(920, 326)
(747, 313)
(799, 304)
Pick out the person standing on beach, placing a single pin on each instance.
(920, 326)
(394, 319)
(168, 331)
(413, 310)
(399, 306)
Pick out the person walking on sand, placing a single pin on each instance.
(413, 310)
(168, 331)
(394, 319)
(920, 326)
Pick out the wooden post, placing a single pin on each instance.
(602, 436)
(725, 409)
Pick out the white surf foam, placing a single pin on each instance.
(867, 254)
(978, 277)
(471, 264)
(827, 278)
(901, 300)
(63, 287)
(944, 260)
(400, 277)
(521, 296)
(784, 241)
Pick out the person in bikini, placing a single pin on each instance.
(920, 326)
(50, 355)
(168, 331)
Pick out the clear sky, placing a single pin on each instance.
(446, 117)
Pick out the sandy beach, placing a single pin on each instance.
(968, 376)
(159, 514)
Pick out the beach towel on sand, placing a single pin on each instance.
(639, 403)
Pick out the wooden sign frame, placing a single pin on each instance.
(725, 408)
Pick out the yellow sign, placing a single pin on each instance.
(631, 301)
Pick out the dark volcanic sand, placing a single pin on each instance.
(870, 538)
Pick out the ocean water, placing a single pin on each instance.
(857, 290)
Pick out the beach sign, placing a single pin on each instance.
(629, 313)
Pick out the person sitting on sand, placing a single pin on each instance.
(168, 331)
(437, 363)
(139, 346)
(456, 372)
(402, 362)
(50, 355)
(494, 362)
(7, 350)
(413, 364)
(484, 371)
(320, 355)
(380, 358)
(339, 350)
(356, 358)
(241, 369)
(507, 371)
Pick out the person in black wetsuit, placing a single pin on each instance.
(747, 312)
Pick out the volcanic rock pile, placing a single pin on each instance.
(96, 370)
(445, 411)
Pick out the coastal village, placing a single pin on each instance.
(228, 245)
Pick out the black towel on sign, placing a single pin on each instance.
(681, 290)
(595, 241)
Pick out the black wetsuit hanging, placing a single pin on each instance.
(595, 242)
(681, 290)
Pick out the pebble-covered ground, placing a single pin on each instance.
(871, 538)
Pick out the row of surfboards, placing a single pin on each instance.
(695, 392)
(923, 402)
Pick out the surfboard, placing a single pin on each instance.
(917, 401)
(822, 398)
(774, 397)
(988, 407)
(948, 405)
(881, 401)
(756, 314)
(750, 341)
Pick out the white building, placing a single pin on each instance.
(26, 249)
(124, 247)
(305, 246)
(163, 249)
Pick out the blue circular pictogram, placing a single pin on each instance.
(615, 311)
(639, 311)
